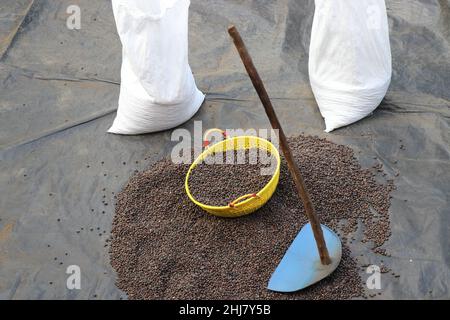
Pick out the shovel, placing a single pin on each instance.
(316, 251)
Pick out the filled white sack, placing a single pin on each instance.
(158, 90)
(349, 59)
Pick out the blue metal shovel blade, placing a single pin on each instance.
(301, 266)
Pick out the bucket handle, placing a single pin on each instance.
(206, 142)
(233, 203)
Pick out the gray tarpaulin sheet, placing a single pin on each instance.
(58, 96)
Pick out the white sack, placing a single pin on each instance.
(349, 59)
(158, 90)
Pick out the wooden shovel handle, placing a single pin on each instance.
(293, 168)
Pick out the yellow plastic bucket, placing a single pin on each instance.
(248, 203)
